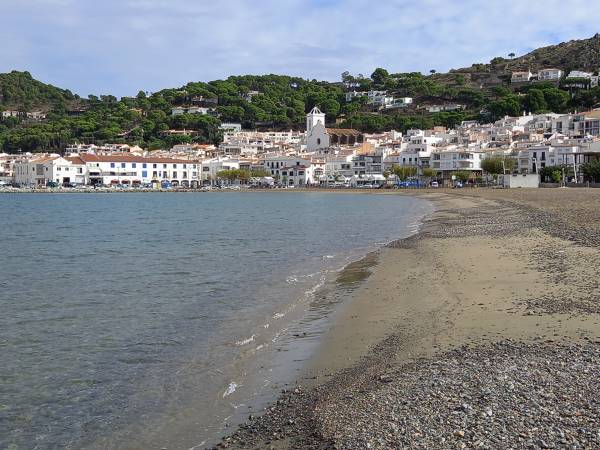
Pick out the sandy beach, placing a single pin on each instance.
(481, 331)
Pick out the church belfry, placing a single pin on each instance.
(313, 118)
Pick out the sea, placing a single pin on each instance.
(162, 320)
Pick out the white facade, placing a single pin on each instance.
(316, 133)
(136, 170)
(458, 159)
(191, 110)
(519, 181)
(577, 125)
(550, 74)
(521, 77)
(49, 169)
(212, 167)
(402, 102)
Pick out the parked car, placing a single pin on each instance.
(435, 184)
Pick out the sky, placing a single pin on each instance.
(120, 47)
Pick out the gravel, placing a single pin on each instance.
(503, 395)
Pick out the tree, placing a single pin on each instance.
(493, 166)
(591, 171)
(259, 173)
(379, 76)
(432, 71)
(404, 172)
(428, 173)
(511, 55)
(462, 175)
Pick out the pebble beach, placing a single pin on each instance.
(481, 331)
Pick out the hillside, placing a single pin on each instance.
(20, 91)
(281, 102)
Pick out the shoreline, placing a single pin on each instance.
(478, 274)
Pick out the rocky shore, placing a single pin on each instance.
(481, 331)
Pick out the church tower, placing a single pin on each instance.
(313, 118)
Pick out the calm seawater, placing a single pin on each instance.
(150, 320)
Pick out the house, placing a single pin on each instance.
(581, 80)
(445, 107)
(178, 110)
(212, 167)
(577, 125)
(297, 175)
(367, 164)
(447, 161)
(379, 99)
(276, 165)
(42, 170)
(550, 74)
(36, 115)
(231, 127)
(403, 102)
(353, 94)
(521, 77)
(12, 113)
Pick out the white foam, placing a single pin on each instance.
(245, 341)
(230, 389)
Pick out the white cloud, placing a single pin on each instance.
(122, 46)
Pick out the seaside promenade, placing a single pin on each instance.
(481, 331)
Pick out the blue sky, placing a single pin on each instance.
(122, 46)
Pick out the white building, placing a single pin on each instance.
(521, 77)
(550, 74)
(445, 107)
(212, 167)
(578, 125)
(402, 102)
(352, 95)
(446, 161)
(43, 170)
(178, 110)
(132, 170)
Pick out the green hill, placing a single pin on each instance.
(281, 102)
(19, 91)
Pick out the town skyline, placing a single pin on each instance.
(120, 48)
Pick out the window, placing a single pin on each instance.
(122, 165)
(174, 166)
(144, 173)
(133, 165)
(144, 166)
(154, 166)
(112, 165)
(164, 166)
(174, 174)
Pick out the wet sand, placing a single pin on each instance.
(495, 271)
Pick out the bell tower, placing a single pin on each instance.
(313, 118)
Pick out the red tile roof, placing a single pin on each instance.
(88, 157)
